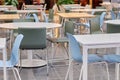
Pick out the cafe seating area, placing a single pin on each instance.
(72, 41)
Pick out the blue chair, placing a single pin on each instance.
(45, 17)
(50, 17)
(113, 16)
(102, 16)
(113, 58)
(14, 58)
(76, 55)
(35, 17)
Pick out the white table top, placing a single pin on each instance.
(117, 21)
(73, 6)
(9, 16)
(87, 10)
(75, 15)
(25, 11)
(33, 6)
(98, 39)
(17, 25)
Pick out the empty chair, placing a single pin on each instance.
(50, 16)
(34, 39)
(95, 25)
(115, 59)
(35, 17)
(69, 28)
(99, 12)
(76, 55)
(14, 58)
(29, 16)
(102, 16)
(113, 16)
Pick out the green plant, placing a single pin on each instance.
(59, 2)
(11, 2)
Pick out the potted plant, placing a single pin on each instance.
(59, 2)
(11, 2)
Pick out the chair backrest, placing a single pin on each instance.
(45, 17)
(113, 16)
(34, 38)
(35, 17)
(99, 12)
(69, 27)
(113, 28)
(32, 15)
(102, 16)
(95, 24)
(51, 15)
(15, 50)
(74, 48)
(44, 7)
(22, 20)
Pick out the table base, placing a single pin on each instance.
(32, 63)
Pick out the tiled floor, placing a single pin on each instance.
(58, 71)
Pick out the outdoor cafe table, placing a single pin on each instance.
(23, 13)
(67, 16)
(87, 10)
(96, 41)
(11, 26)
(9, 16)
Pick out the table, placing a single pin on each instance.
(96, 41)
(17, 25)
(39, 7)
(23, 13)
(9, 16)
(11, 26)
(73, 6)
(9, 7)
(75, 15)
(87, 10)
(66, 16)
(3, 48)
(116, 21)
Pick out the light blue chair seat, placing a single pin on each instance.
(112, 58)
(94, 58)
(91, 58)
(8, 64)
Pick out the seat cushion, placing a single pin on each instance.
(112, 58)
(8, 64)
(94, 58)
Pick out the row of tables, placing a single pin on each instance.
(87, 41)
